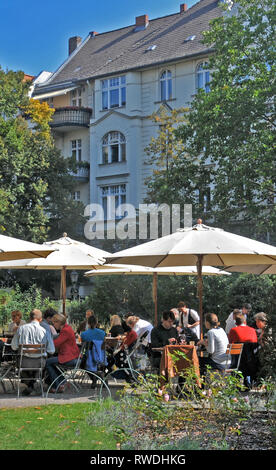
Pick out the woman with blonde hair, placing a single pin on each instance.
(116, 326)
(139, 326)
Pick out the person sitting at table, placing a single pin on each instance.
(116, 327)
(119, 357)
(216, 344)
(66, 348)
(249, 361)
(163, 334)
(95, 355)
(17, 321)
(140, 327)
(47, 321)
(242, 333)
(92, 333)
(32, 333)
(84, 324)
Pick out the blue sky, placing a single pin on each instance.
(34, 34)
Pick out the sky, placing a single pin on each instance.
(34, 34)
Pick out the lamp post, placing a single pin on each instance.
(74, 290)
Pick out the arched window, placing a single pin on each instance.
(166, 85)
(203, 76)
(113, 147)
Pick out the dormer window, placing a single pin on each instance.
(113, 92)
(166, 85)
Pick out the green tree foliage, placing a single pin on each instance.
(222, 158)
(233, 126)
(35, 178)
(176, 175)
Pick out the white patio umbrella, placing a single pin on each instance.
(253, 269)
(69, 255)
(120, 269)
(198, 246)
(14, 248)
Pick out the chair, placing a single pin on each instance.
(39, 351)
(234, 352)
(7, 366)
(77, 379)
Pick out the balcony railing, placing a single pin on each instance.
(82, 174)
(71, 116)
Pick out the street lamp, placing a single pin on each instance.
(74, 290)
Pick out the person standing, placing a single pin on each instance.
(188, 318)
(32, 333)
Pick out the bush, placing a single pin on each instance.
(25, 301)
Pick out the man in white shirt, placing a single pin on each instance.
(230, 322)
(188, 318)
(32, 333)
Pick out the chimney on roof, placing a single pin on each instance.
(142, 21)
(73, 43)
(93, 33)
(183, 7)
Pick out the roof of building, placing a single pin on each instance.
(175, 36)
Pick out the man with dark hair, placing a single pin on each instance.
(242, 333)
(188, 318)
(47, 321)
(163, 334)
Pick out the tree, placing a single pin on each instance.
(226, 166)
(176, 176)
(35, 179)
(233, 126)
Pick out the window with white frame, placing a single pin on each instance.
(112, 197)
(166, 85)
(76, 97)
(203, 77)
(76, 195)
(113, 147)
(113, 92)
(76, 149)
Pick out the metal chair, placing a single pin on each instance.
(77, 380)
(36, 351)
(234, 351)
(7, 366)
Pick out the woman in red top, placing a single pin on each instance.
(67, 349)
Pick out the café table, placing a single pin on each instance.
(176, 358)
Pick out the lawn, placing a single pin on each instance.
(53, 427)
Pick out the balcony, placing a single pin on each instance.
(81, 174)
(70, 117)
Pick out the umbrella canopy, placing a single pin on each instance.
(145, 270)
(253, 269)
(14, 249)
(69, 254)
(200, 246)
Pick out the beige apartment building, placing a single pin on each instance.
(108, 87)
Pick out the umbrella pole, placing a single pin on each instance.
(63, 289)
(200, 291)
(155, 298)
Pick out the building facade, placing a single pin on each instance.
(109, 86)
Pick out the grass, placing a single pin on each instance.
(53, 427)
